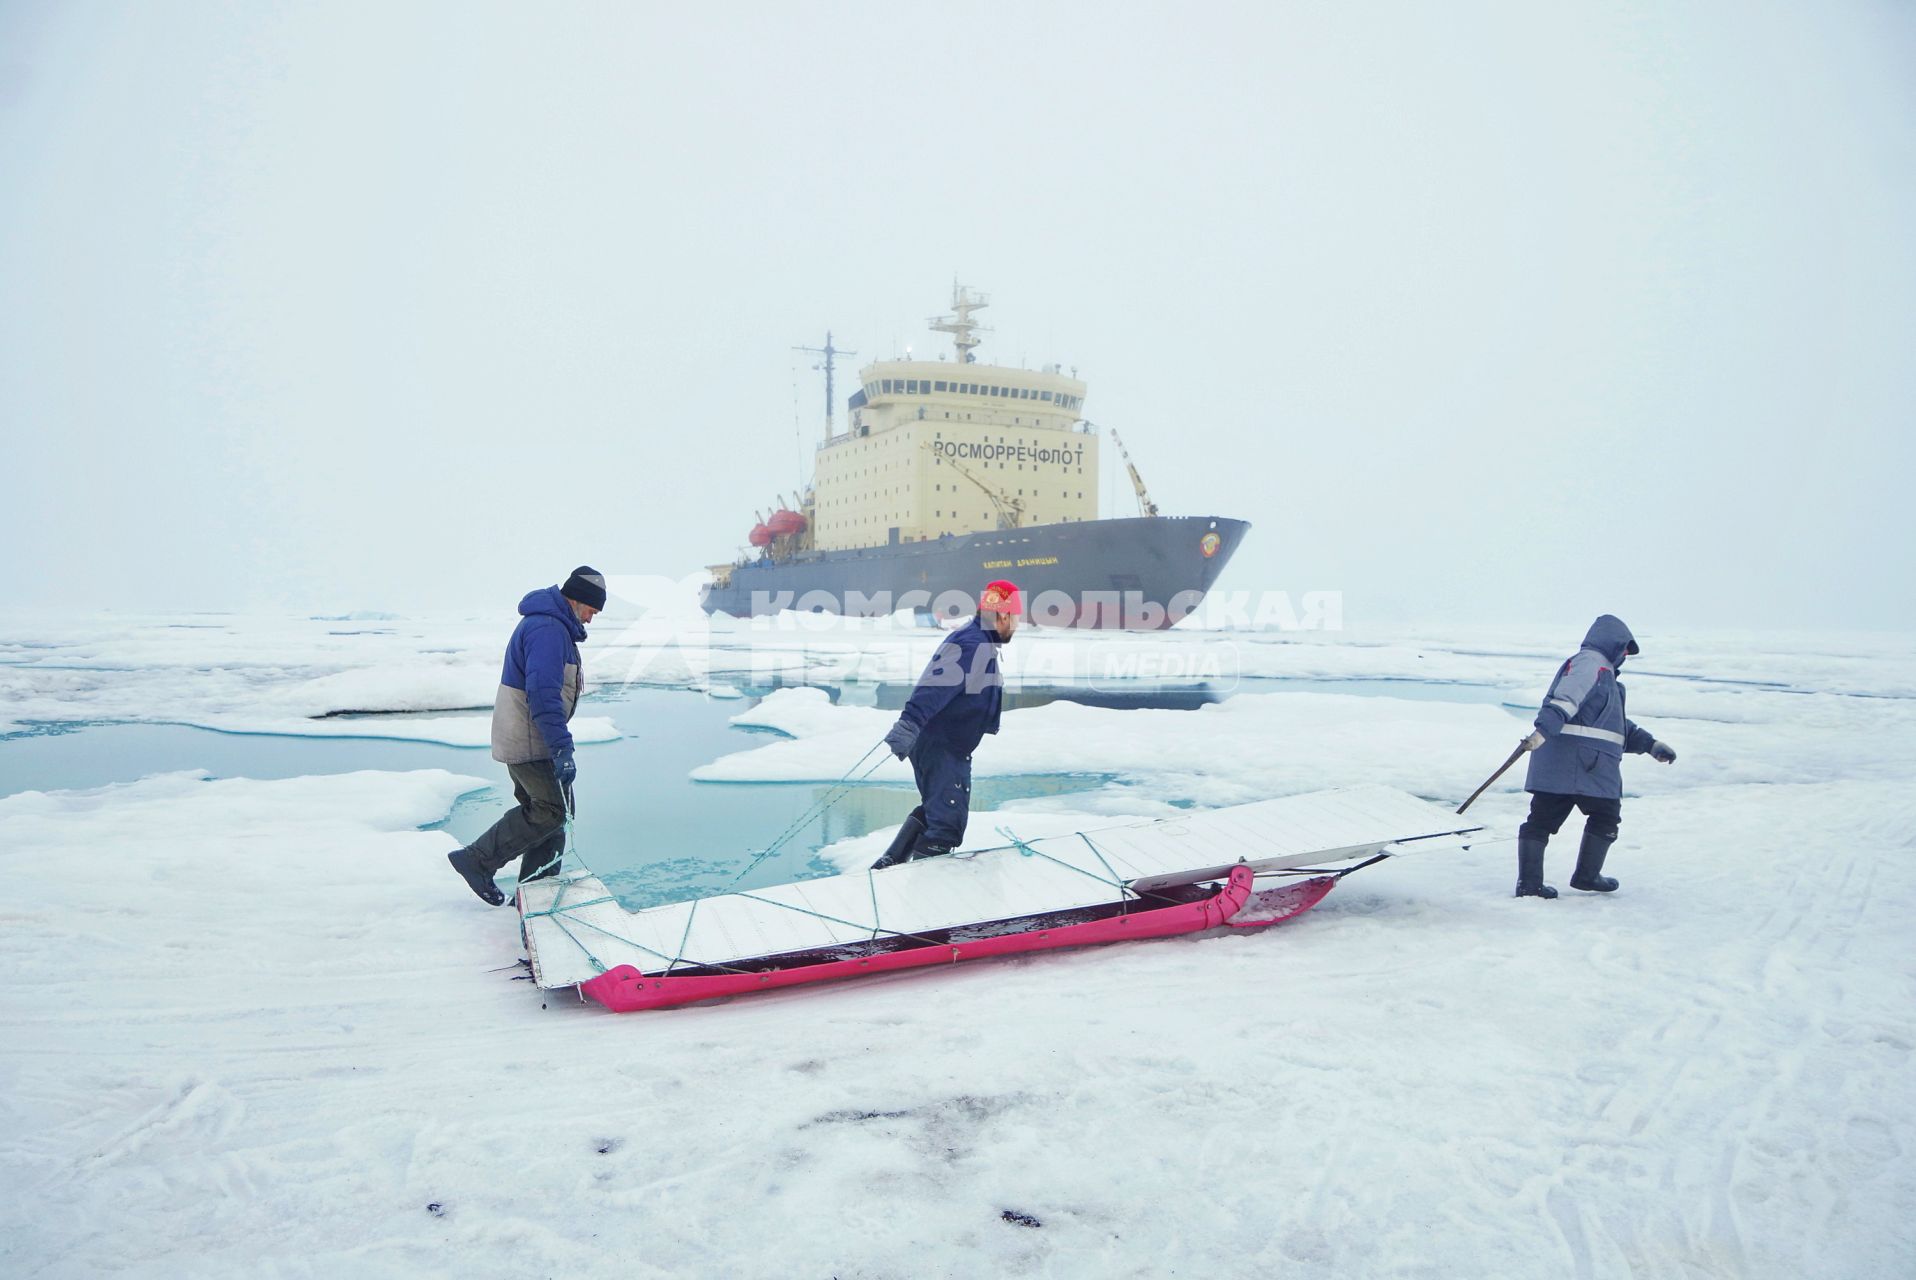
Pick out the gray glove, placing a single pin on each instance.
(1661, 753)
(901, 739)
(1534, 741)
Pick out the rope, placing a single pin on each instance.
(1030, 852)
(837, 791)
(653, 951)
(833, 794)
(1325, 871)
(1102, 860)
(560, 908)
(685, 937)
(849, 924)
(555, 909)
(559, 905)
(672, 962)
(1116, 881)
(597, 964)
(565, 844)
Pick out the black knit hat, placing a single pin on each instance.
(587, 586)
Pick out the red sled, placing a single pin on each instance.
(1152, 879)
(625, 990)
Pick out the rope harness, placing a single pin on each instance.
(559, 909)
(833, 794)
(1110, 876)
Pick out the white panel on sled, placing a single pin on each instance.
(1054, 873)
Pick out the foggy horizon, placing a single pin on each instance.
(1479, 315)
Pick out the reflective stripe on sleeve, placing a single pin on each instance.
(1585, 731)
(1564, 705)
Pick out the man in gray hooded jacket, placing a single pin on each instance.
(1576, 760)
(539, 688)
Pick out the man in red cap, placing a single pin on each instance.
(955, 705)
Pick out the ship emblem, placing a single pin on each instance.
(1209, 544)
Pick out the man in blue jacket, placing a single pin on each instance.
(538, 690)
(956, 703)
(1576, 760)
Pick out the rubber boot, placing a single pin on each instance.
(476, 877)
(1590, 864)
(903, 843)
(1530, 869)
(929, 849)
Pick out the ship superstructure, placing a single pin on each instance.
(936, 447)
(951, 469)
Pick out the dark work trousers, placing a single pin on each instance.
(534, 832)
(944, 790)
(1548, 809)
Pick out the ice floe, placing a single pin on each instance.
(243, 1016)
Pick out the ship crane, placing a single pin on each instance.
(1146, 507)
(1011, 511)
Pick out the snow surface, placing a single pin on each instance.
(671, 643)
(222, 671)
(261, 675)
(250, 1027)
(1224, 753)
(1251, 747)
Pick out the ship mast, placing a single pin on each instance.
(961, 326)
(831, 355)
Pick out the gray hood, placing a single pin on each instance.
(1609, 637)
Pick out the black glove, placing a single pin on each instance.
(565, 766)
(1661, 753)
(901, 739)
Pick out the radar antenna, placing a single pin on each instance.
(831, 355)
(961, 326)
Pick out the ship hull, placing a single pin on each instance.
(1139, 574)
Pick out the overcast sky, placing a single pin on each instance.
(1497, 312)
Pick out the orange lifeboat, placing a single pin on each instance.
(761, 535)
(785, 522)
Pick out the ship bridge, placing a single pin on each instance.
(941, 447)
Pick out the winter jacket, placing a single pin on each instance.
(540, 684)
(958, 699)
(1582, 721)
